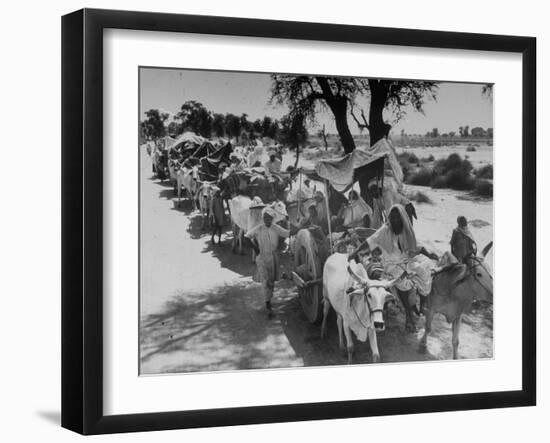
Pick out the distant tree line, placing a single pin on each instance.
(463, 132)
(195, 117)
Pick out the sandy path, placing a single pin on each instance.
(201, 311)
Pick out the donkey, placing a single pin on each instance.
(453, 291)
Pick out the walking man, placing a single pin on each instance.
(265, 241)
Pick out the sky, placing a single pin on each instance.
(457, 104)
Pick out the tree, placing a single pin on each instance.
(435, 133)
(195, 117)
(173, 128)
(294, 132)
(339, 94)
(478, 132)
(305, 94)
(452, 134)
(246, 126)
(257, 127)
(487, 90)
(218, 125)
(464, 131)
(323, 134)
(233, 126)
(266, 126)
(274, 129)
(394, 96)
(153, 126)
(490, 132)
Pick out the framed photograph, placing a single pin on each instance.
(269, 221)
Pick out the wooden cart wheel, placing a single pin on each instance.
(307, 264)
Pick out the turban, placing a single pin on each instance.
(269, 211)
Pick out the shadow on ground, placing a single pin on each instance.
(227, 329)
(224, 329)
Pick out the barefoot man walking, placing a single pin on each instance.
(265, 241)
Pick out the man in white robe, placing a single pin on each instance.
(265, 241)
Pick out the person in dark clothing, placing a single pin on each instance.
(462, 241)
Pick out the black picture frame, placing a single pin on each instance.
(82, 220)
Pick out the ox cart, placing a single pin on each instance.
(311, 248)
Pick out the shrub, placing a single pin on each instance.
(428, 159)
(471, 149)
(483, 188)
(459, 179)
(407, 157)
(420, 197)
(485, 172)
(452, 172)
(439, 182)
(413, 158)
(453, 161)
(423, 177)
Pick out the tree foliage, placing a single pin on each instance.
(305, 95)
(153, 126)
(233, 126)
(487, 90)
(195, 117)
(293, 130)
(218, 125)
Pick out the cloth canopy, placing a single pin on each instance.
(342, 172)
(189, 139)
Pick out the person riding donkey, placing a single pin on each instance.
(264, 239)
(463, 244)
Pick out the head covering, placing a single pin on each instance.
(407, 238)
(269, 211)
(257, 203)
(384, 237)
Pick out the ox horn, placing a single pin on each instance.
(486, 249)
(357, 278)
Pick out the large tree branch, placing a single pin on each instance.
(359, 124)
(327, 91)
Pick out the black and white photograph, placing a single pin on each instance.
(299, 220)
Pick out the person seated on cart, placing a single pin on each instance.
(236, 164)
(353, 213)
(401, 253)
(273, 165)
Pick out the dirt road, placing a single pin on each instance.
(201, 311)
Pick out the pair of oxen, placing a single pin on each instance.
(360, 302)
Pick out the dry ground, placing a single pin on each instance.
(200, 310)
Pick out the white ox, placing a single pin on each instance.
(187, 178)
(205, 194)
(361, 311)
(244, 218)
(173, 166)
